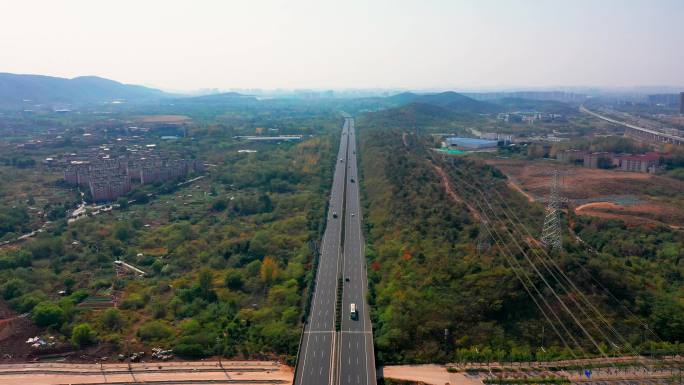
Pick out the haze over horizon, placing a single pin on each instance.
(270, 44)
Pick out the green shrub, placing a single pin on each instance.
(48, 314)
(219, 205)
(82, 335)
(234, 280)
(133, 302)
(27, 302)
(12, 288)
(154, 331)
(111, 319)
(187, 348)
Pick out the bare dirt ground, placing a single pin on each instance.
(253, 372)
(14, 331)
(633, 214)
(429, 374)
(657, 199)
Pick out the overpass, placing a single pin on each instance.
(639, 132)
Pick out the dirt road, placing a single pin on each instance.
(233, 372)
(452, 194)
(429, 374)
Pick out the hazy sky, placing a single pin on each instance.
(458, 44)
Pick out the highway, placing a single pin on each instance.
(315, 360)
(655, 134)
(356, 360)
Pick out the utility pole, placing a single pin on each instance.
(551, 237)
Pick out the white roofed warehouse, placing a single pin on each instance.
(470, 143)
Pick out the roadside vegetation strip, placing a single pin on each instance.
(531, 380)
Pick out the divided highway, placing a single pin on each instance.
(344, 357)
(316, 353)
(356, 357)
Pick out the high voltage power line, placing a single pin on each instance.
(488, 213)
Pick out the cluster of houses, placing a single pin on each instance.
(649, 162)
(110, 177)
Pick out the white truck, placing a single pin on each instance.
(353, 313)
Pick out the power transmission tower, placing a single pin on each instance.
(552, 237)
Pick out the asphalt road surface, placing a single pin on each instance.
(356, 361)
(316, 351)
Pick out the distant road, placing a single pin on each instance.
(356, 356)
(649, 133)
(316, 353)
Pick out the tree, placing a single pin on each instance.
(82, 335)
(219, 205)
(259, 243)
(111, 319)
(234, 280)
(123, 232)
(45, 247)
(139, 196)
(154, 331)
(69, 283)
(668, 317)
(12, 288)
(48, 314)
(269, 271)
(206, 285)
(122, 202)
(266, 203)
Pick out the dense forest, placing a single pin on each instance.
(437, 296)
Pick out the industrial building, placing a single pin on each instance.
(571, 156)
(648, 162)
(470, 143)
(598, 160)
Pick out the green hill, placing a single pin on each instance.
(21, 90)
(450, 100)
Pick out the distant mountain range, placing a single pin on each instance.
(449, 100)
(18, 90)
(217, 99)
(26, 91)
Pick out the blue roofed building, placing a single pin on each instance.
(470, 143)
